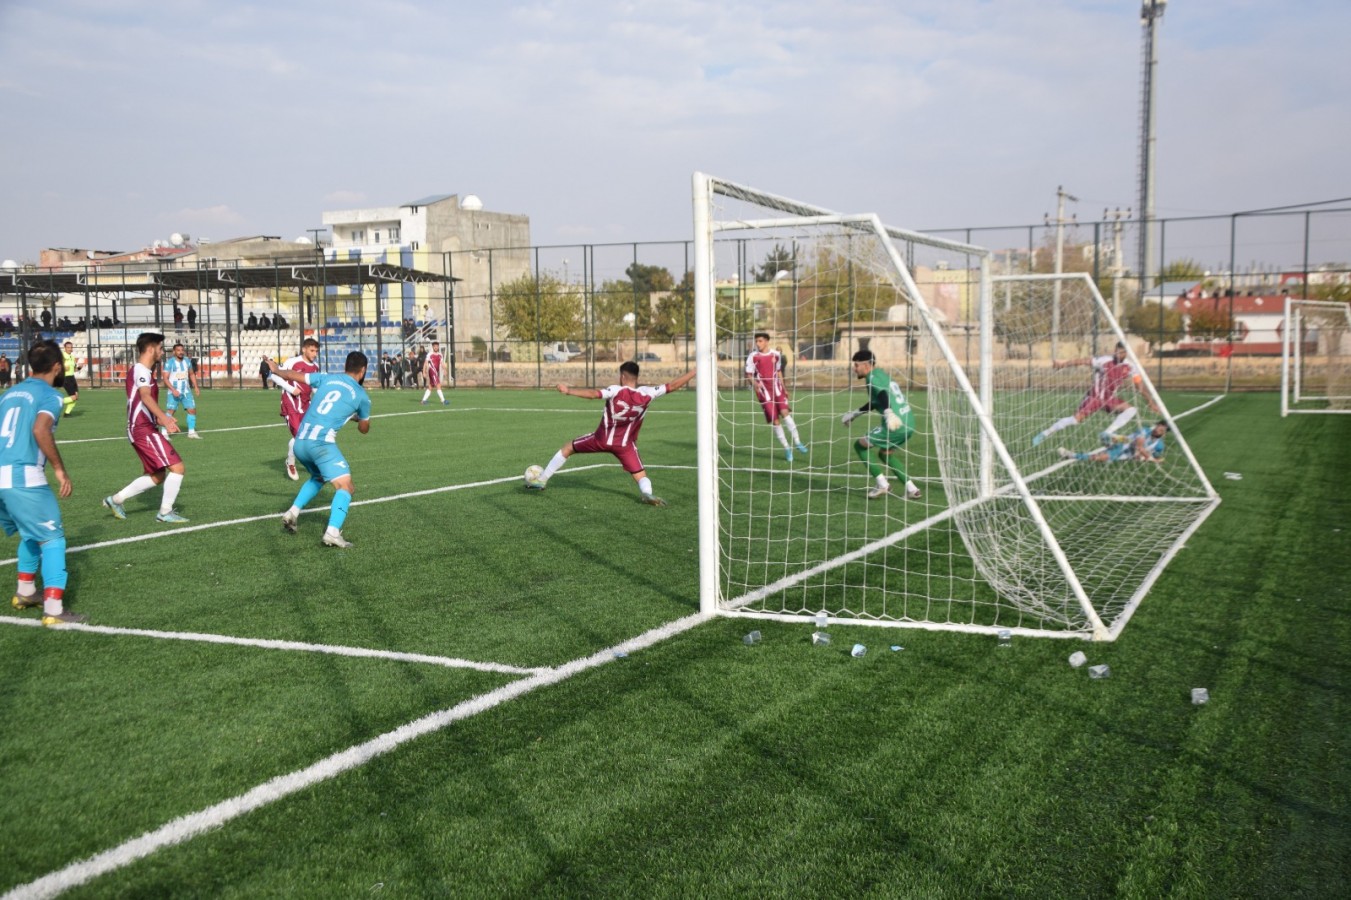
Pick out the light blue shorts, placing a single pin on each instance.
(323, 459)
(32, 512)
(186, 400)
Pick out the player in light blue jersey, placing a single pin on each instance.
(334, 401)
(29, 414)
(181, 379)
(1145, 445)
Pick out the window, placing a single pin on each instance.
(358, 235)
(394, 235)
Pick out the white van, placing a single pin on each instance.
(561, 351)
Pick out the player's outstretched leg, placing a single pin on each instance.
(894, 464)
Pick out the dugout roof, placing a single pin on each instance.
(142, 280)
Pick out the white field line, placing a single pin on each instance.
(189, 826)
(153, 535)
(267, 644)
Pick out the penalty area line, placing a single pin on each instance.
(271, 644)
(186, 827)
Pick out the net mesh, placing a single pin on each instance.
(800, 536)
(1318, 375)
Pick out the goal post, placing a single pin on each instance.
(1315, 357)
(962, 523)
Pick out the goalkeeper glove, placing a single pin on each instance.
(849, 417)
(893, 421)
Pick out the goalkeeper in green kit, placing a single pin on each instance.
(898, 423)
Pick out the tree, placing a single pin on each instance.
(674, 314)
(538, 309)
(778, 260)
(1157, 324)
(649, 279)
(1182, 270)
(1210, 324)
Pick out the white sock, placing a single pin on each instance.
(172, 482)
(554, 465)
(778, 433)
(882, 481)
(291, 452)
(139, 486)
(792, 428)
(425, 394)
(645, 486)
(53, 607)
(1063, 423)
(910, 486)
(440, 396)
(1126, 415)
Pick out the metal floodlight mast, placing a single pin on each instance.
(1150, 13)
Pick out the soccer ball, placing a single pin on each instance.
(533, 474)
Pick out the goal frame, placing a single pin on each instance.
(1292, 354)
(992, 448)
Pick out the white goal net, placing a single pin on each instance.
(1315, 357)
(963, 522)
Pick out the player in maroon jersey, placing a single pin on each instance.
(295, 397)
(432, 373)
(1110, 374)
(625, 405)
(764, 370)
(161, 462)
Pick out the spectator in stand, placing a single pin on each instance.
(421, 369)
(264, 323)
(4, 371)
(192, 318)
(263, 372)
(385, 369)
(252, 323)
(178, 317)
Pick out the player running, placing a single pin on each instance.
(625, 405)
(30, 411)
(337, 400)
(1110, 374)
(295, 397)
(432, 372)
(180, 377)
(1145, 445)
(764, 370)
(161, 462)
(898, 423)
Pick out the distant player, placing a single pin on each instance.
(337, 399)
(764, 370)
(30, 413)
(180, 377)
(1110, 375)
(1145, 445)
(160, 460)
(72, 387)
(625, 405)
(295, 397)
(432, 373)
(898, 423)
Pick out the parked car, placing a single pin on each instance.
(647, 356)
(562, 352)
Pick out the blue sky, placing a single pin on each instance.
(125, 122)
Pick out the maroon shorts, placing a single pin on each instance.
(433, 378)
(155, 451)
(626, 454)
(773, 402)
(1094, 402)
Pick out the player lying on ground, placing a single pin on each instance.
(625, 405)
(1145, 445)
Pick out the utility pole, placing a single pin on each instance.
(1118, 269)
(1150, 13)
(1061, 195)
